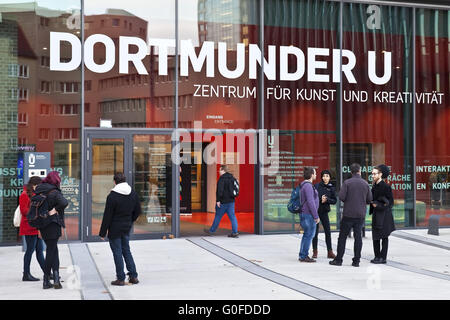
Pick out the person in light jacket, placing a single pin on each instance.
(381, 211)
(122, 208)
(309, 217)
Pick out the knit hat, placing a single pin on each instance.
(384, 170)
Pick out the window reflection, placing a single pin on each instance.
(43, 105)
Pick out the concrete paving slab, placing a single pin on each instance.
(13, 288)
(179, 269)
(280, 253)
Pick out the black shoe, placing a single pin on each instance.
(375, 260)
(133, 280)
(118, 283)
(378, 261)
(28, 277)
(336, 263)
(46, 284)
(355, 264)
(233, 235)
(56, 280)
(206, 230)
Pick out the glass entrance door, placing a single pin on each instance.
(107, 159)
(145, 159)
(152, 176)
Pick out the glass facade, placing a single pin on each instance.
(264, 86)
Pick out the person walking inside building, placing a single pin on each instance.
(356, 195)
(327, 196)
(309, 217)
(224, 203)
(31, 235)
(122, 208)
(51, 232)
(381, 211)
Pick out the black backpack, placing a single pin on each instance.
(234, 187)
(38, 213)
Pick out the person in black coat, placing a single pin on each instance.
(122, 208)
(51, 231)
(381, 211)
(327, 196)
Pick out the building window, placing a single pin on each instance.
(22, 141)
(44, 134)
(45, 22)
(44, 109)
(45, 61)
(115, 22)
(69, 87)
(45, 86)
(22, 119)
(18, 71)
(67, 109)
(19, 94)
(88, 85)
(67, 134)
(87, 107)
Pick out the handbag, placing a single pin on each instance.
(17, 217)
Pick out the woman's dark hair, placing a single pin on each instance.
(308, 172)
(53, 178)
(325, 172)
(384, 169)
(33, 181)
(119, 177)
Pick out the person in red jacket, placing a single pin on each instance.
(31, 234)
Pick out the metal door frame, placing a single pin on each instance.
(127, 136)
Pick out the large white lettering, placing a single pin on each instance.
(205, 55)
(188, 53)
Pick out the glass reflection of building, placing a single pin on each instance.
(41, 109)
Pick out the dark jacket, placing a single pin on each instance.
(330, 192)
(56, 200)
(310, 199)
(224, 187)
(382, 218)
(122, 208)
(356, 195)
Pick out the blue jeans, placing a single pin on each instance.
(309, 230)
(33, 243)
(229, 209)
(121, 250)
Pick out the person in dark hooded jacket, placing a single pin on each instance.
(381, 211)
(51, 231)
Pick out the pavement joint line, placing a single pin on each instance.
(421, 239)
(262, 272)
(394, 264)
(92, 285)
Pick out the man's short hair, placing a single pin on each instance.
(355, 168)
(308, 172)
(224, 168)
(119, 177)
